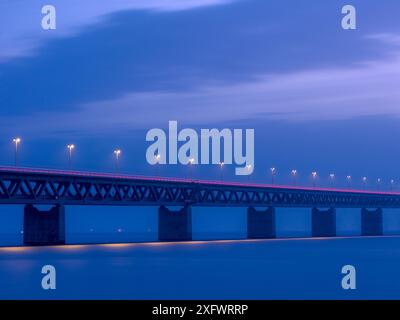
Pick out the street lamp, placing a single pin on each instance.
(392, 182)
(249, 168)
(273, 173)
(70, 147)
(348, 178)
(191, 162)
(294, 176)
(157, 157)
(221, 166)
(332, 179)
(378, 183)
(117, 154)
(314, 175)
(365, 180)
(16, 141)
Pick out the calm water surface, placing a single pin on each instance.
(290, 268)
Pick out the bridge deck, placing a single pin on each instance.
(48, 186)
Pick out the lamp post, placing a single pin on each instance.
(332, 179)
(70, 148)
(273, 173)
(16, 141)
(365, 180)
(378, 183)
(314, 176)
(248, 168)
(348, 178)
(191, 162)
(221, 166)
(157, 157)
(117, 154)
(392, 183)
(294, 176)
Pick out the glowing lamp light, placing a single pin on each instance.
(314, 174)
(16, 141)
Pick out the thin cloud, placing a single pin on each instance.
(370, 89)
(21, 23)
(388, 38)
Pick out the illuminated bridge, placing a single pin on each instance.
(31, 187)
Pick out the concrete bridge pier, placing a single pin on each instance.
(261, 223)
(44, 227)
(175, 225)
(371, 222)
(324, 222)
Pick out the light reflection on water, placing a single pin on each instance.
(225, 269)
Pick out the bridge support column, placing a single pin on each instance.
(175, 225)
(371, 222)
(261, 223)
(44, 227)
(324, 222)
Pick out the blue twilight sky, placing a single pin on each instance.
(319, 97)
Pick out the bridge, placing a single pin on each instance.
(30, 187)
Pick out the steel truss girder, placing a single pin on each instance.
(76, 190)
